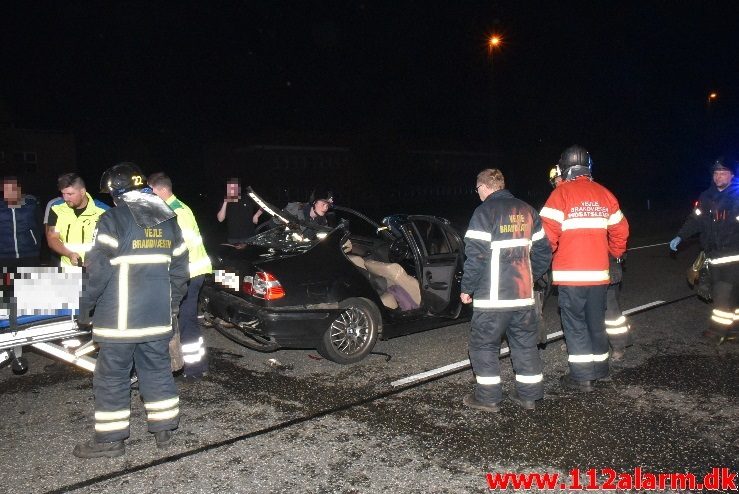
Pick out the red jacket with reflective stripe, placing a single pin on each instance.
(584, 224)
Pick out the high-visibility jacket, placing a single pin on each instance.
(506, 251)
(136, 276)
(199, 260)
(76, 232)
(584, 223)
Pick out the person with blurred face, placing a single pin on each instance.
(716, 219)
(238, 213)
(72, 220)
(19, 226)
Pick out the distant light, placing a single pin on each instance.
(494, 41)
(713, 96)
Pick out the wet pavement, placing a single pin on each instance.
(308, 425)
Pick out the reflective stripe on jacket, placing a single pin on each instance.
(199, 260)
(506, 250)
(716, 218)
(76, 232)
(135, 276)
(584, 223)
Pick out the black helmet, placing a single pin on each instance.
(720, 164)
(321, 194)
(122, 178)
(575, 161)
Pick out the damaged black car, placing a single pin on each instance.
(336, 288)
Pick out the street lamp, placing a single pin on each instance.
(712, 97)
(494, 41)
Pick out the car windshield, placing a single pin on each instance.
(286, 231)
(286, 238)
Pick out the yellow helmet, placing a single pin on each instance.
(554, 174)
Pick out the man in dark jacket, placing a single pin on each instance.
(506, 251)
(137, 274)
(19, 226)
(716, 219)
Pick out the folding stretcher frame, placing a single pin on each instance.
(30, 316)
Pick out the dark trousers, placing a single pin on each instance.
(583, 319)
(111, 385)
(486, 332)
(725, 295)
(617, 326)
(191, 338)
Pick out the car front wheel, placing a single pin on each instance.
(353, 333)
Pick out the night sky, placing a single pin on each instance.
(629, 80)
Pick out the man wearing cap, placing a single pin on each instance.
(716, 219)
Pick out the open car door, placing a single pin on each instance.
(439, 254)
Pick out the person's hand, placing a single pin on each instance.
(674, 243)
(465, 298)
(84, 321)
(75, 259)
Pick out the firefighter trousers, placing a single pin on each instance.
(617, 326)
(111, 385)
(486, 332)
(191, 337)
(725, 295)
(583, 311)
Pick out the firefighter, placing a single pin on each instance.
(506, 251)
(716, 219)
(72, 220)
(617, 327)
(137, 271)
(585, 225)
(191, 338)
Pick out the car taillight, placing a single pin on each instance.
(262, 285)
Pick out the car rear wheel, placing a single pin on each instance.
(353, 333)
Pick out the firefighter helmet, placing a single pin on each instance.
(121, 178)
(554, 175)
(720, 164)
(575, 161)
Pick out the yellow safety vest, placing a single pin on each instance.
(76, 232)
(199, 260)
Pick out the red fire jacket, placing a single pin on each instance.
(584, 224)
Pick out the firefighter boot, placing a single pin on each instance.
(473, 402)
(525, 404)
(94, 449)
(574, 385)
(164, 439)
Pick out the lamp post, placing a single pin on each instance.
(494, 43)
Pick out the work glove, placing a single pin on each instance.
(615, 269)
(674, 243)
(84, 321)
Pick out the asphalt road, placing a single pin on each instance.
(308, 425)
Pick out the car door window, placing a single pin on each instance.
(432, 238)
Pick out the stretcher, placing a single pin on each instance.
(38, 309)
